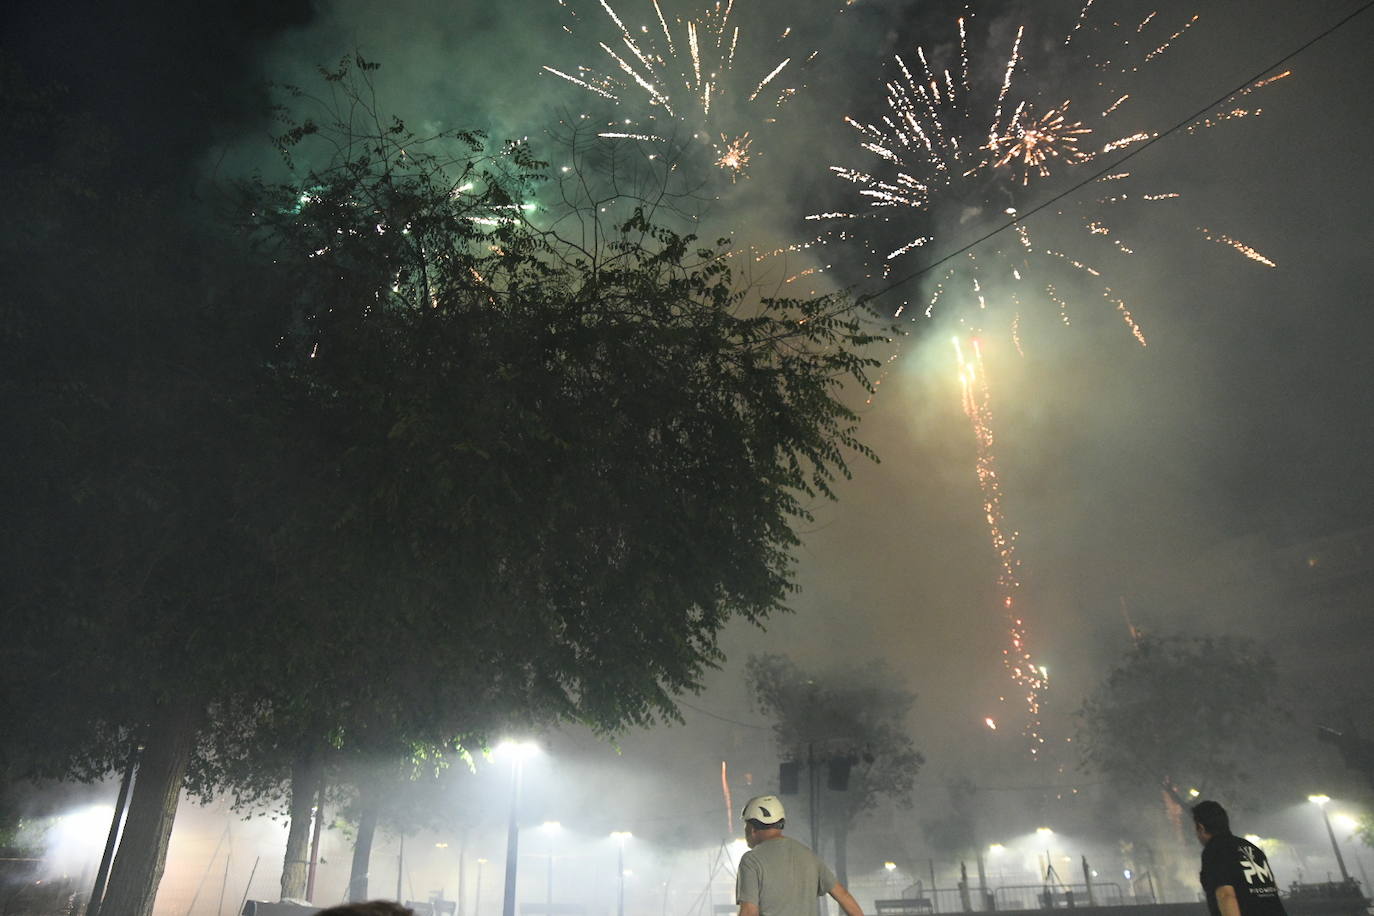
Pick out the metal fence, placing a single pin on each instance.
(919, 900)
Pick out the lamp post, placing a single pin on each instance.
(517, 751)
(477, 898)
(620, 836)
(550, 828)
(1320, 801)
(1348, 826)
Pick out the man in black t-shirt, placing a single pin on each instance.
(1236, 877)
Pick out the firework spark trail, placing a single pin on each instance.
(1222, 239)
(689, 77)
(1016, 655)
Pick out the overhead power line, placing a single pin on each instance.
(707, 712)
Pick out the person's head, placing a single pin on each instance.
(764, 819)
(370, 908)
(1209, 820)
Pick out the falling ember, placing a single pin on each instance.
(990, 723)
(1223, 239)
(1016, 657)
(729, 805)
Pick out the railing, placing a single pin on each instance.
(1053, 897)
(925, 901)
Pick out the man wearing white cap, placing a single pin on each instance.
(779, 876)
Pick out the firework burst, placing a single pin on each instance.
(692, 72)
(964, 151)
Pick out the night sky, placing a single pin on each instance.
(1170, 484)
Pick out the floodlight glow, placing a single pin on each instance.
(996, 847)
(551, 826)
(621, 835)
(516, 750)
(1044, 831)
(890, 866)
(1253, 838)
(1319, 799)
(1346, 822)
(1193, 793)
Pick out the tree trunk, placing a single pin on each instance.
(142, 855)
(305, 779)
(370, 806)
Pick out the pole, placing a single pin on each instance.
(934, 897)
(400, 868)
(548, 885)
(462, 872)
(249, 886)
(315, 843)
(620, 896)
(102, 873)
(224, 885)
(477, 896)
(1088, 880)
(811, 784)
(983, 883)
(208, 865)
(1335, 847)
(512, 841)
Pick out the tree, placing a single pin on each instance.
(440, 468)
(1179, 714)
(127, 588)
(851, 714)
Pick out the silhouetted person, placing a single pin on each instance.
(1236, 877)
(779, 876)
(370, 908)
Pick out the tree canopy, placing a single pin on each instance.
(386, 458)
(1181, 713)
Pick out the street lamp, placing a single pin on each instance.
(517, 751)
(1320, 801)
(550, 829)
(620, 836)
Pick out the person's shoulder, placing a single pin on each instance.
(1227, 844)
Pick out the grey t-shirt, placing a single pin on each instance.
(783, 878)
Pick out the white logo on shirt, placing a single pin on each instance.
(1255, 872)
